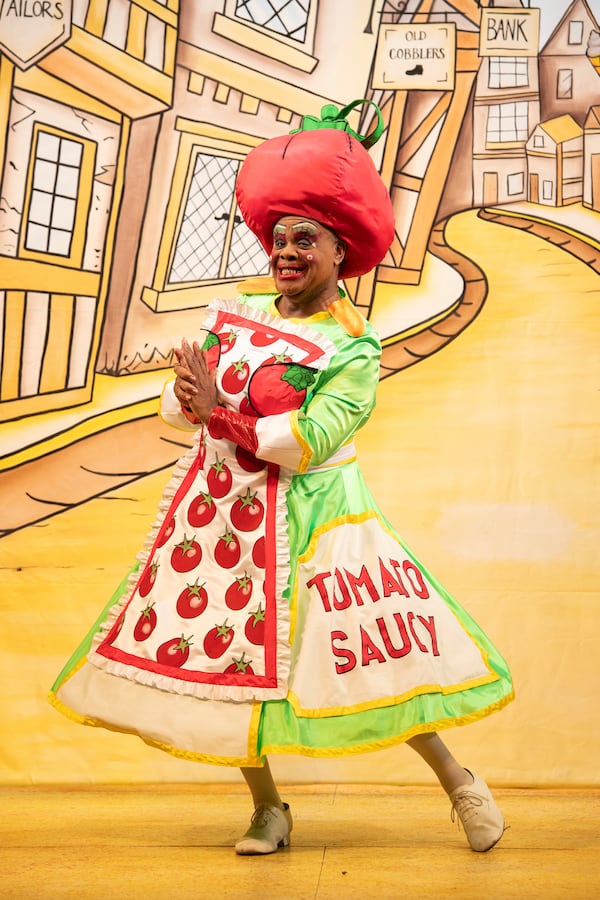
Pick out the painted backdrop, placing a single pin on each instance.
(123, 125)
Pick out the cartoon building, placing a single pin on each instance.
(555, 162)
(151, 231)
(569, 85)
(505, 110)
(591, 156)
(70, 126)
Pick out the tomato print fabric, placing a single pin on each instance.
(273, 608)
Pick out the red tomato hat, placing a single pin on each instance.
(326, 175)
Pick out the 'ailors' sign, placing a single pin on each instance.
(31, 29)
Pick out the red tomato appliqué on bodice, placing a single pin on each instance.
(279, 387)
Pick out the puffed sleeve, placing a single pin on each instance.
(172, 413)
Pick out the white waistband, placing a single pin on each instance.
(345, 454)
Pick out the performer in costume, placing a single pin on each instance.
(273, 608)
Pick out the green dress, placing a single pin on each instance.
(273, 609)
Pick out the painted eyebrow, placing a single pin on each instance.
(279, 229)
(305, 228)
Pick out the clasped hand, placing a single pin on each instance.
(195, 384)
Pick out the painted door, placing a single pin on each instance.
(490, 188)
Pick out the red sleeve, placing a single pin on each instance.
(190, 416)
(235, 426)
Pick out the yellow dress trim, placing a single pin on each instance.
(370, 746)
(304, 445)
(381, 703)
(252, 760)
(325, 314)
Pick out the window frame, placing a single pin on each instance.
(496, 63)
(82, 202)
(307, 45)
(579, 25)
(513, 141)
(269, 43)
(560, 74)
(163, 295)
(510, 181)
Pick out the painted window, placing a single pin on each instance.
(58, 196)
(575, 32)
(515, 184)
(288, 18)
(564, 84)
(508, 72)
(213, 241)
(507, 122)
(538, 141)
(547, 190)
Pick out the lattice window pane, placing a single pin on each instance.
(508, 71)
(52, 206)
(507, 122)
(246, 255)
(286, 17)
(201, 238)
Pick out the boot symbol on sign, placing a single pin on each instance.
(416, 70)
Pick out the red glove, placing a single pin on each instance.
(235, 426)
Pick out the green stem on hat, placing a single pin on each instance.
(332, 117)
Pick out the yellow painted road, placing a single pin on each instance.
(485, 457)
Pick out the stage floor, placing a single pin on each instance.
(165, 842)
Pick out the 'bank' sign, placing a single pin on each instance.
(31, 29)
(509, 32)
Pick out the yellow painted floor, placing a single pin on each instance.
(168, 842)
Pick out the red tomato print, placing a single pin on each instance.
(227, 550)
(192, 601)
(202, 510)
(255, 627)
(147, 580)
(219, 478)
(240, 666)
(174, 652)
(235, 377)
(218, 640)
(258, 553)
(239, 592)
(247, 512)
(246, 407)
(146, 624)
(279, 387)
(227, 340)
(262, 337)
(166, 531)
(248, 461)
(186, 555)
(278, 358)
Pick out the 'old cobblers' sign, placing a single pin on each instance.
(30, 29)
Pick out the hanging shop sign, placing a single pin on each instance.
(509, 32)
(31, 29)
(415, 57)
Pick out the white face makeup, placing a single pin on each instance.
(305, 261)
(306, 229)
